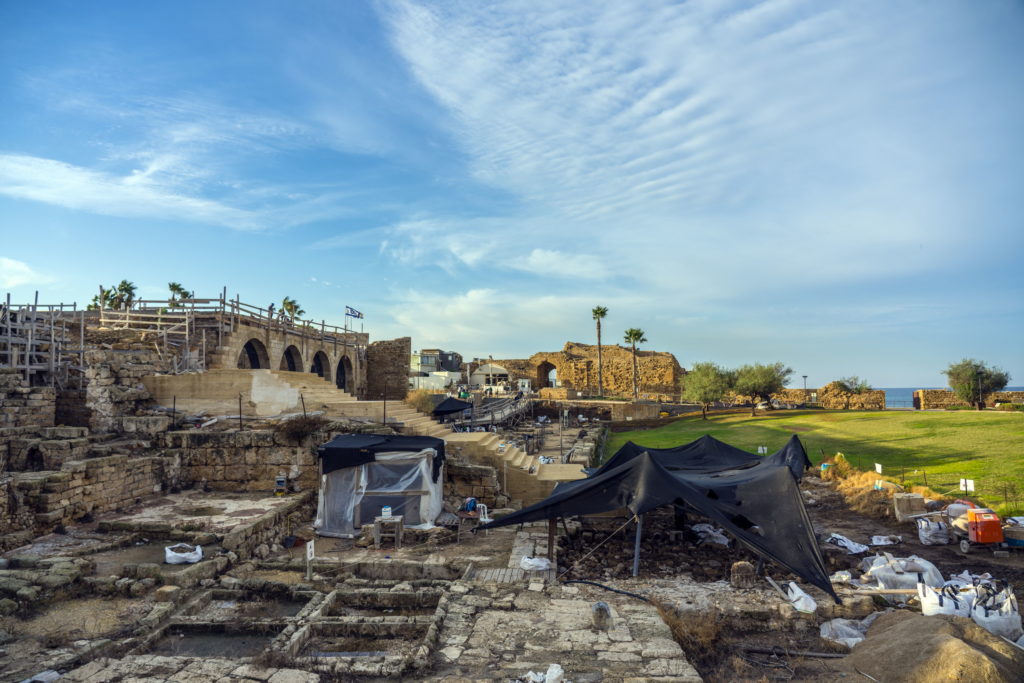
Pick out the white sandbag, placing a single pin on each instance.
(801, 601)
(845, 631)
(535, 564)
(852, 547)
(554, 674)
(841, 576)
(849, 632)
(709, 534)
(901, 572)
(998, 614)
(944, 600)
(182, 553)
(932, 533)
(886, 540)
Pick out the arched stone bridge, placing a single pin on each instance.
(282, 346)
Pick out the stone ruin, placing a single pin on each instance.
(576, 369)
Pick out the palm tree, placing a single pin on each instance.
(291, 308)
(178, 292)
(599, 312)
(634, 336)
(102, 300)
(123, 296)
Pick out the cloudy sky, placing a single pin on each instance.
(836, 185)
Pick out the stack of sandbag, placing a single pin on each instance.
(900, 572)
(990, 604)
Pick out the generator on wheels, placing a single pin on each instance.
(973, 526)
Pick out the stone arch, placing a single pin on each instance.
(253, 356)
(344, 378)
(547, 375)
(291, 360)
(321, 365)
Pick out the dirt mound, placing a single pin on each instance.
(912, 648)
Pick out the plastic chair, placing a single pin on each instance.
(485, 517)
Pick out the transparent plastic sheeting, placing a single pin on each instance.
(340, 509)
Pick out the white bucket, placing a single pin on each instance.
(385, 511)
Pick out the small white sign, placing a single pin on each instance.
(967, 485)
(878, 468)
(310, 552)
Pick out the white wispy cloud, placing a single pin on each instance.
(726, 137)
(14, 273)
(74, 187)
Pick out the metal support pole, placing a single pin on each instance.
(551, 540)
(636, 545)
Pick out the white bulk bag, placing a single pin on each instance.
(181, 554)
(902, 572)
(932, 533)
(945, 600)
(998, 614)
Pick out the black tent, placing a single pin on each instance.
(350, 450)
(755, 499)
(451, 405)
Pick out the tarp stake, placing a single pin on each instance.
(636, 545)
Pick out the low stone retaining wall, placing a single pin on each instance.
(938, 399)
(91, 486)
(22, 405)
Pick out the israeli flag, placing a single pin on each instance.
(349, 311)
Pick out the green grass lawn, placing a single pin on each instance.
(944, 446)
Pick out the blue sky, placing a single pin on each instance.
(837, 185)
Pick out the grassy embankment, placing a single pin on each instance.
(940, 446)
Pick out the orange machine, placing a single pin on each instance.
(984, 526)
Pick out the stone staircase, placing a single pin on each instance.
(522, 476)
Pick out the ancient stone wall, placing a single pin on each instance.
(27, 449)
(830, 397)
(938, 399)
(72, 410)
(89, 486)
(21, 405)
(114, 393)
(388, 366)
(659, 373)
(478, 481)
(244, 461)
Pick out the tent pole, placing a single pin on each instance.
(636, 545)
(551, 539)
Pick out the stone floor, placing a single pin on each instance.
(502, 633)
(215, 512)
(156, 669)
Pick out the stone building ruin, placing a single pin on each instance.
(575, 368)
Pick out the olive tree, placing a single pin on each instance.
(706, 383)
(761, 381)
(972, 379)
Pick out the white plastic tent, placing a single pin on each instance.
(358, 483)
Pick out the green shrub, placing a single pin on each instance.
(1011, 407)
(960, 408)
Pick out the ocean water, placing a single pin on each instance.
(903, 397)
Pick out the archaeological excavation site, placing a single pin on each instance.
(200, 490)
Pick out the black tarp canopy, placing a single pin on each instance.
(755, 499)
(451, 405)
(351, 450)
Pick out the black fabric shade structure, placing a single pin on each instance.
(351, 450)
(756, 499)
(451, 405)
